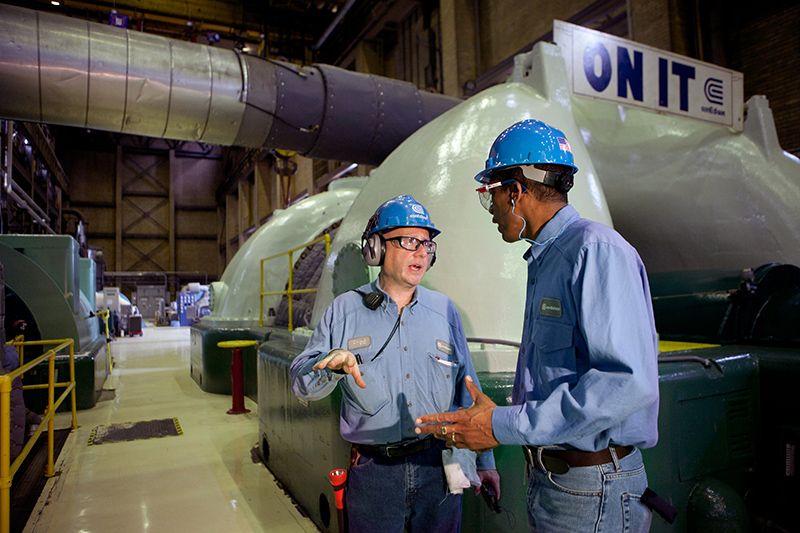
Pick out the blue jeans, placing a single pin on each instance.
(406, 493)
(590, 498)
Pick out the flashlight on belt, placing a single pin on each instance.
(338, 479)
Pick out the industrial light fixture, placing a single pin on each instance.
(55, 2)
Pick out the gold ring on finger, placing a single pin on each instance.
(453, 438)
(444, 430)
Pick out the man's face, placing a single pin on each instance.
(404, 267)
(508, 225)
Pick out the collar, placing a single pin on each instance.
(376, 286)
(550, 231)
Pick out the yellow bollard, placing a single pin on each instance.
(51, 389)
(72, 380)
(5, 454)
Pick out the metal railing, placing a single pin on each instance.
(289, 290)
(7, 468)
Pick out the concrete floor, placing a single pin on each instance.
(203, 480)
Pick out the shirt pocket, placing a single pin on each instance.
(372, 399)
(552, 336)
(555, 349)
(442, 375)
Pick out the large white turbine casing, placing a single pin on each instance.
(482, 274)
(691, 195)
(687, 194)
(238, 289)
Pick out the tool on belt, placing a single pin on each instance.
(659, 505)
(338, 479)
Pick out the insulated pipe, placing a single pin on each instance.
(67, 71)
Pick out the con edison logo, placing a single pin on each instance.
(715, 94)
(609, 68)
(715, 91)
(550, 307)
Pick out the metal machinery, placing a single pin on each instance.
(50, 287)
(235, 305)
(136, 83)
(193, 303)
(678, 189)
(726, 433)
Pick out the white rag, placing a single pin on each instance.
(460, 469)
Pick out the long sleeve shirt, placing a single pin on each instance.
(421, 370)
(587, 373)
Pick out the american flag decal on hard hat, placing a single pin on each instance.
(564, 144)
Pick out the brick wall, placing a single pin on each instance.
(651, 24)
(768, 46)
(506, 26)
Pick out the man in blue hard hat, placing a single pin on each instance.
(398, 351)
(585, 396)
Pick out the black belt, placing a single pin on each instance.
(396, 449)
(560, 461)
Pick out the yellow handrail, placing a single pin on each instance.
(8, 469)
(289, 291)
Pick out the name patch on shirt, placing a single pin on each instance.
(359, 342)
(550, 307)
(444, 347)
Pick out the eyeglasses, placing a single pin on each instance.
(412, 244)
(485, 195)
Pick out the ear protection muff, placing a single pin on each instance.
(565, 183)
(373, 248)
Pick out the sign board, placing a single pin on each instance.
(117, 20)
(610, 68)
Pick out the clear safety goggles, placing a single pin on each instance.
(485, 192)
(528, 171)
(412, 244)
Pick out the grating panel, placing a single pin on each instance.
(128, 431)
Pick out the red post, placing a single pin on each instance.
(237, 384)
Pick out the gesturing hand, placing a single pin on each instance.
(466, 428)
(345, 361)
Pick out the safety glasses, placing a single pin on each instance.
(412, 244)
(485, 195)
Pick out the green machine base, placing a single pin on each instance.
(91, 370)
(724, 421)
(211, 366)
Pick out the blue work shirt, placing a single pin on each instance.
(587, 373)
(421, 371)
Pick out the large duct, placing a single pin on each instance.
(67, 71)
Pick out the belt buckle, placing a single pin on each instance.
(390, 450)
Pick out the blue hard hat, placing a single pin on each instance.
(400, 212)
(528, 142)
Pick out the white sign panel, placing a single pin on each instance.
(610, 68)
